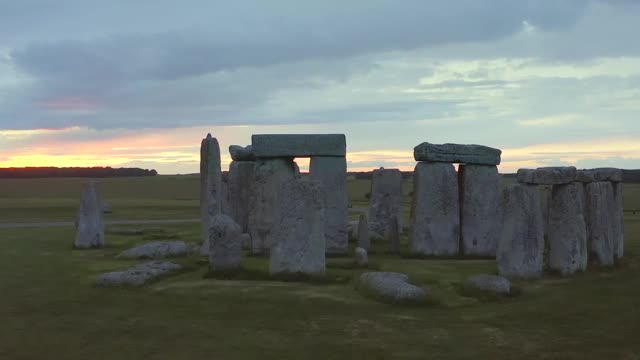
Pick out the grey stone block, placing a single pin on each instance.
(299, 145)
(457, 153)
(548, 175)
(599, 174)
(138, 275)
(239, 153)
(331, 173)
(90, 221)
(157, 250)
(567, 229)
(391, 286)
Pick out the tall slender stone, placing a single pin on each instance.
(240, 186)
(567, 230)
(299, 240)
(480, 197)
(331, 173)
(435, 211)
(393, 235)
(386, 199)
(364, 240)
(225, 253)
(521, 247)
(269, 174)
(211, 194)
(89, 221)
(600, 221)
(618, 221)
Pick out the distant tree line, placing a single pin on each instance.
(92, 172)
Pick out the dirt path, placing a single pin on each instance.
(112, 222)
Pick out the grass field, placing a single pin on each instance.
(50, 310)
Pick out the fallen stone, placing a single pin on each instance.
(269, 175)
(600, 222)
(375, 237)
(211, 192)
(567, 229)
(225, 254)
(331, 173)
(239, 153)
(364, 239)
(157, 250)
(391, 287)
(618, 221)
(393, 236)
(362, 258)
(386, 199)
(90, 221)
(488, 283)
(480, 209)
(457, 153)
(521, 247)
(435, 210)
(352, 228)
(240, 186)
(299, 241)
(138, 275)
(548, 175)
(307, 145)
(599, 174)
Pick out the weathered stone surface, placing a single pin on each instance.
(299, 145)
(521, 247)
(548, 175)
(211, 192)
(245, 240)
(299, 241)
(157, 250)
(480, 209)
(386, 199)
(457, 153)
(599, 174)
(239, 153)
(567, 229)
(490, 283)
(240, 186)
(364, 241)
(362, 258)
(269, 175)
(89, 221)
(393, 235)
(226, 244)
(618, 221)
(331, 173)
(138, 275)
(545, 204)
(435, 210)
(600, 221)
(224, 193)
(391, 286)
(352, 228)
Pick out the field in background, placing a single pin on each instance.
(50, 309)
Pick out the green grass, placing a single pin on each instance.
(50, 308)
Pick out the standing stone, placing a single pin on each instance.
(331, 173)
(89, 222)
(240, 185)
(210, 186)
(545, 203)
(521, 247)
(364, 241)
(239, 153)
(480, 217)
(393, 235)
(618, 221)
(225, 204)
(386, 199)
(600, 222)
(268, 176)
(225, 254)
(567, 229)
(299, 240)
(435, 210)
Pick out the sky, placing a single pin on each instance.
(139, 83)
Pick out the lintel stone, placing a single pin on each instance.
(457, 153)
(299, 145)
(548, 175)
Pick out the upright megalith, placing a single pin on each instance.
(386, 199)
(331, 173)
(239, 153)
(211, 192)
(89, 221)
(435, 211)
(225, 253)
(618, 220)
(480, 205)
(392, 235)
(299, 239)
(600, 221)
(567, 230)
(269, 174)
(239, 189)
(364, 239)
(521, 248)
